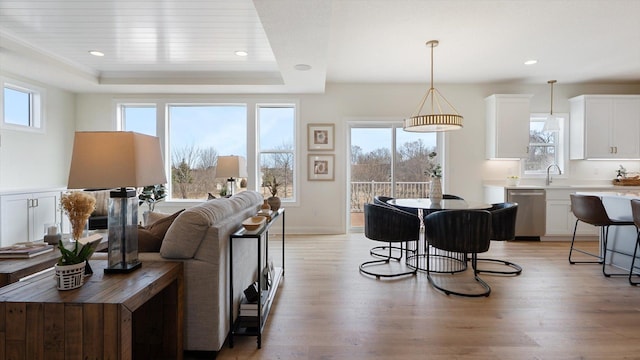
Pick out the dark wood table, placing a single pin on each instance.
(112, 316)
(12, 270)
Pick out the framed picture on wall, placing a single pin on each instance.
(321, 167)
(320, 136)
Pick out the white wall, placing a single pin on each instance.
(34, 160)
(322, 206)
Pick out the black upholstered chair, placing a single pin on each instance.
(503, 227)
(589, 209)
(459, 231)
(391, 225)
(386, 251)
(635, 211)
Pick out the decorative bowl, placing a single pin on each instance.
(254, 222)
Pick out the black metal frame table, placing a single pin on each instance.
(253, 325)
(441, 261)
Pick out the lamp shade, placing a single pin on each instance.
(231, 166)
(115, 159)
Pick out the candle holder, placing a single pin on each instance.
(52, 234)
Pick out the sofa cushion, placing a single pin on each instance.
(150, 237)
(186, 233)
(153, 216)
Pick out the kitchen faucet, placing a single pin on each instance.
(548, 182)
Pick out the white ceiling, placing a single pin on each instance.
(188, 46)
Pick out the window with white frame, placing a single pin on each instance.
(22, 106)
(276, 150)
(198, 133)
(140, 118)
(545, 147)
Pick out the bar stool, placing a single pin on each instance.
(635, 211)
(589, 209)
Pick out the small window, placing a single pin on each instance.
(21, 107)
(545, 147)
(277, 148)
(140, 118)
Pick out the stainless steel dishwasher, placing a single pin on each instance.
(531, 219)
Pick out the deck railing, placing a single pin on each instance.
(363, 192)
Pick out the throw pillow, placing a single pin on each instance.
(150, 237)
(153, 216)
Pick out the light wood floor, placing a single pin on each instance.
(326, 309)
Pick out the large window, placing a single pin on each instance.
(545, 147)
(276, 149)
(22, 106)
(193, 135)
(197, 135)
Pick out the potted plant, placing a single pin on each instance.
(273, 200)
(151, 195)
(73, 265)
(434, 171)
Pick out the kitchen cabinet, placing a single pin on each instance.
(605, 127)
(23, 215)
(560, 219)
(507, 124)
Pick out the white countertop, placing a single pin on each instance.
(564, 186)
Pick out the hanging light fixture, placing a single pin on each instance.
(433, 121)
(551, 123)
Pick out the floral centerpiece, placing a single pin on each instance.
(434, 171)
(78, 206)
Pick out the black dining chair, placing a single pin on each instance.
(391, 225)
(386, 251)
(503, 227)
(589, 209)
(459, 231)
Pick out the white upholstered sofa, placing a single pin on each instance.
(199, 237)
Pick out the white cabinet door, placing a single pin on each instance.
(507, 120)
(23, 216)
(45, 211)
(605, 127)
(558, 218)
(626, 128)
(14, 214)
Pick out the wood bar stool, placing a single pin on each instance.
(589, 209)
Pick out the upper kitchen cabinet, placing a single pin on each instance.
(605, 127)
(507, 126)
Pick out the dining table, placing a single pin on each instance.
(417, 251)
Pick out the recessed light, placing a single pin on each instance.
(531, 62)
(242, 53)
(96, 53)
(302, 67)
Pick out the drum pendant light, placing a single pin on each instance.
(433, 121)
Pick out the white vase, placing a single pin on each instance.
(435, 190)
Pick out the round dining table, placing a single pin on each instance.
(417, 251)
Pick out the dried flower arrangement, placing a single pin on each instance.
(78, 206)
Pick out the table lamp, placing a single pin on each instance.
(121, 161)
(231, 167)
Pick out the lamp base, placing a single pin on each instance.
(122, 268)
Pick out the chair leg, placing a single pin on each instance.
(375, 251)
(385, 260)
(474, 263)
(633, 261)
(572, 249)
(517, 269)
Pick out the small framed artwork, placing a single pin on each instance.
(321, 167)
(320, 136)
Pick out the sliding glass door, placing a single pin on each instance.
(386, 161)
